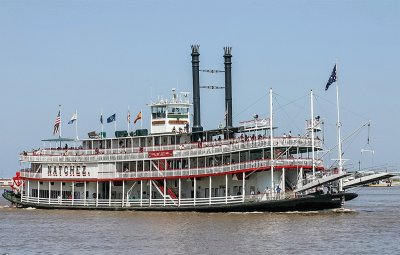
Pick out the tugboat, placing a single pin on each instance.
(178, 166)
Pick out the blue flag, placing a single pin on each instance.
(111, 118)
(332, 78)
(101, 118)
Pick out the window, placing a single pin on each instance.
(158, 112)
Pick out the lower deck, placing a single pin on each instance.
(310, 202)
(196, 191)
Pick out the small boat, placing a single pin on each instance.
(381, 183)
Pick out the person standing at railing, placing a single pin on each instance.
(278, 191)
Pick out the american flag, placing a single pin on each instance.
(57, 123)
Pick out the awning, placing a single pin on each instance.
(60, 139)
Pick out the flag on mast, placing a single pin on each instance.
(112, 118)
(101, 118)
(73, 118)
(128, 119)
(332, 78)
(138, 117)
(57, 123)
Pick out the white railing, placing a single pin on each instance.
(255, 164)
(184, 150)
(156, 202)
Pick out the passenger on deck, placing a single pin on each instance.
(278, 190)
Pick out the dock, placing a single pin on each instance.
(5, 182)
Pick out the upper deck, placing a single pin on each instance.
(121, 152)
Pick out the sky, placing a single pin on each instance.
(107, 56)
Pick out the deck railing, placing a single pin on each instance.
(183, 150)
(131, 202)
(249, 165)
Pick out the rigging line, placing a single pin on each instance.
(347, 146)
(292, 101)
(345, 108)
(347, 137)
(287, 115)
(251, 105)
(324, 110)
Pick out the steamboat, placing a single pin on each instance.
(178, 166)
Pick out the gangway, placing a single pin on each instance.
(367, 179)
(320, 181)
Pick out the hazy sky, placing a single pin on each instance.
(104, 55)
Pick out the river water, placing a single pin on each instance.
(370, 226)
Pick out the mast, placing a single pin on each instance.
(272, 140)
(141, 118)
(102, 125)
(76, 125)
(115, 123)
(128, 118)
(339, 124)
(59, 133)
(312, 134)
(334, 78)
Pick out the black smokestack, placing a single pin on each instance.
(228, 86)
(196, 89)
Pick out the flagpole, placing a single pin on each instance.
(76, 125)
(59, 134)
(128, 118)
(338, 131)
(312, 134)
(272, 139)
(102, 121)
(141, 119)
(115, 124)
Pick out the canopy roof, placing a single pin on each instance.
(59, 139)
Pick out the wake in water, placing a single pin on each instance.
(343, 210)
(30, 208)
(245, 212)
(301, 212)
